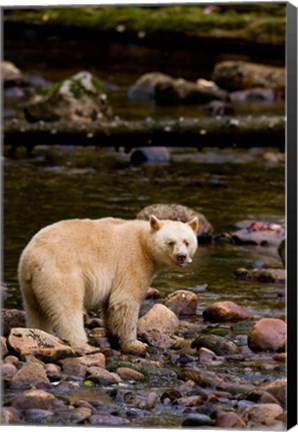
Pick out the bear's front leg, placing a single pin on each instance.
(121, 320)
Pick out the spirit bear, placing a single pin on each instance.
(80, 264)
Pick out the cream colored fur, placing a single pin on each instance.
(78, 264)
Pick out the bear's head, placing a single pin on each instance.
(173, 243)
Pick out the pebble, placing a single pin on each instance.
(226, 311)
(268, 334)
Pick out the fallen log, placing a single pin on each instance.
(192, 132)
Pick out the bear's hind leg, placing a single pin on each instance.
(35, 318)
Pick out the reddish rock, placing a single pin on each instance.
(101, 376)
(278, 389)
(152, 293)
(146, 402)
(190, 401)
(158, 317)
(38, 343)
(12, 318)
(226, 420)
(8, 370)
(32, 373)
(206, 355)
(268, 334)
(36, 399)
(157, 339)
(226, 311)
(259, 233)
(96, 359)
(261, 396)
(130, 374)
(182, 303)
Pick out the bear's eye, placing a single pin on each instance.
(186, 242)
(171, 242)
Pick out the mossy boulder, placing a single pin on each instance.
(79, 98)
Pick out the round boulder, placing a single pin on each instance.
(218, 344)
(268, 334)
(182, 303)
(226, 311)
(179, 213)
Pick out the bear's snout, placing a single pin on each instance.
(181, 258)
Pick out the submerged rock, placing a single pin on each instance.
(226, 311)
(259, 233)
(42, 345)
(218, 344)
(261, 275)
(182, 303)
(179, 213)
(240, 75)
(150, 154)
(79, 98)
(268, 334)
(253, 95)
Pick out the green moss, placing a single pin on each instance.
(229, 21)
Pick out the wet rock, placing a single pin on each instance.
(219, 108)
(42, 345)
(79, 98)
(53, 372)
(261, 414)
(278, 389)
(198, 420)
(74, 369)
(11, 75)
(280, 357)
(226, 311)
(190, 401)
(261, 275)
(38, 416)
(170, 396)
(157, 339)
(8, 370)
(144, 87)
(95, 359)
(150, 154)
(261, 396)
(219, 345)
(4, 350)
(226, 420)
(9, 416)
(32, 373)
(12, 318)
(240, 75)
(202, 378)
(253, 95)
(71, 417)
(158, 317)
(268, 334)
(107, 420)
(130, 374)
(206, 355)
(259, 233)
(152, 293)
(101, 376)
(179, 213)
(182, 303)
(146, 402)
(36, 399)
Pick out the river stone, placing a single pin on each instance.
(9, 416)
(53, 372)
(206, 355)
(253, 95)
(157, 339)
(144, 87)
(8, 370)
(201, 377)
(42, 345)
(12, 318)
(261, 275)
(36, 399)
(239, 75)
(95, 359)
(101, 376)
(197, 420)
(107, 420)
(158, 317)
(150, 154)
(32, 373)
(219, 345)
(226, 420)
(259, 233)
(278, 389)
(11, 75)
(182, 303)
(190, 401)
(143, 401)
(260, 396)
(71, 417)
(261, 414)
(78, 98)
(226, 311)
(180, 213)
(126, 373)
(38, 416)
(268, 334)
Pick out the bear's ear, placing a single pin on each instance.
(194, 224)
(154, 223)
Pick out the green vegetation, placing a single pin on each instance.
(256, 23)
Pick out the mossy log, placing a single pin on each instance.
(193, 132)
